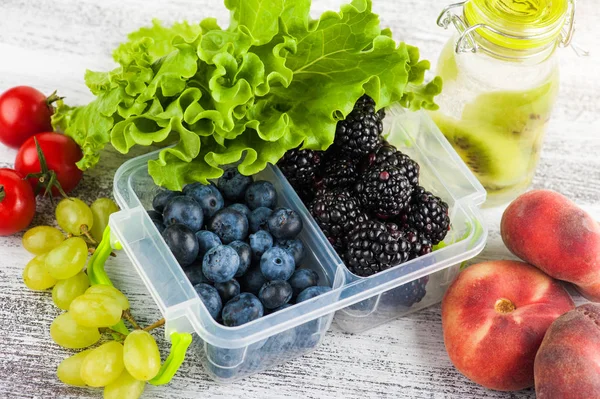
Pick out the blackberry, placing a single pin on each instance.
(428, 214)
(337, 213)
(387, 154)
(300, 167)
(337, 170)
(419, 243)
(372, 249)
(359, 133)
(384, 191)
(407, 294)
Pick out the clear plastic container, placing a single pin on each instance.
(231, 353)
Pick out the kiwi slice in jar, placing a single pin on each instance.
(497, 161)
(521, 114)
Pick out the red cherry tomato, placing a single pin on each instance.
(17, 202)
(24, 111)
(61, 154)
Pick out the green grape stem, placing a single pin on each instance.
(86, 232)
(155, 325)
(113, 332)
(127, 316)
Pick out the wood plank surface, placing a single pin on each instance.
(49, 44)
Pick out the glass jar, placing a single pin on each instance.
(501, 81)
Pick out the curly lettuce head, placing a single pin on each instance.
(272, 81)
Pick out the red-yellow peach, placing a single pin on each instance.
(494, 317)
(547, 230)
(567, 365)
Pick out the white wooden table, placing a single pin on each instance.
(49, 44)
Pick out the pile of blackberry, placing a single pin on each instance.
(365, 195)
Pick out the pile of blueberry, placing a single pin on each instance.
(238, 250)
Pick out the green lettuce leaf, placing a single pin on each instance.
(273, 80)
(162, 38)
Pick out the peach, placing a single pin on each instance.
(494, 316)
(567, 365)
(547, 230)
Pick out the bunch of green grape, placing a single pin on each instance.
(122, 365)
(59, 259)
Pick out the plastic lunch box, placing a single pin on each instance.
(356, 303)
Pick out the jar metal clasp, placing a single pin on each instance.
(467, 43)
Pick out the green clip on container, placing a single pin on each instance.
(501, 81)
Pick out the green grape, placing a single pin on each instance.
(42, 239)
(96, 310)
(111, 292)
(72, 213)
(103, 365)
(65, 331)
(69, 370)
(67, 259)
(102, 208)
(141, 355)
(124, 387)
(35, 275)
(65, 291)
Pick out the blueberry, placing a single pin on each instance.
(208, 196)
(220, 264)
(224, 357)
(277, 264)
(280, 343)
(253, 281)
(159, 226)
(228, 289)
(253, 361)
(242, 309)
(233, 184)
(182, 242)
(245, 253)
(275, 294)
(184, 210)
(295, 247)
(258, 219)
(261, 193)
(302, 279)
(162, 198)
(194, 273)
(312, 292)
(260, 242)
(284, 224)
(210, 297)
(206, 241)
(241, 208)
(284, 306)
(154, 215)
(229, 225)
(308, 335)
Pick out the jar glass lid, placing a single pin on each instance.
(518, 24)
